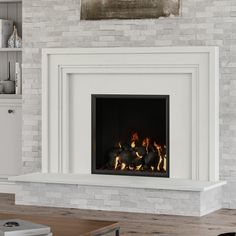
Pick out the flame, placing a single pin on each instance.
(158, 147)
(165, 164)
(146, 143)
(131, 167)
(139, 167)
(162, 157)
(123, 165)
(117, 162)
(139, 156)
(133, 145)
(134, 139)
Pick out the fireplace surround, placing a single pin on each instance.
(188, 75)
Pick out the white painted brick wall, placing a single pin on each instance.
(50, 23)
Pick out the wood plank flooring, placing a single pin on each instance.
(138, 224)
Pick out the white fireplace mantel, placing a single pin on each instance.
(70, 74)
(188, 74)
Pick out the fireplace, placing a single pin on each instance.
(130, 135)
(188, 75)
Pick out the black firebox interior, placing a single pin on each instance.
(130, 135)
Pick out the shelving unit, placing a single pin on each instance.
(10, 49)
(10, 104)
(10, 10)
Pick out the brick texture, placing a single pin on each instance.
(120, 199)
(56, 23)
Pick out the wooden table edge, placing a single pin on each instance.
(106, 229)
(113, 226)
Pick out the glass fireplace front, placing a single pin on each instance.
(130, 135)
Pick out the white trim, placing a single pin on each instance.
(64, 69)
(214, 114)
(128, 50)
(64, 72)
(45, 140)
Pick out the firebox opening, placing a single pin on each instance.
(130, 135)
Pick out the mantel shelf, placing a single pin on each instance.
(120, 181)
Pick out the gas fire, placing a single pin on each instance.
(138, 155)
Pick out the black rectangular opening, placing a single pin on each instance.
(130, 135)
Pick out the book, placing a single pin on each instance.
(17, 227)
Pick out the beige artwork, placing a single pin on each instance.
(128, 9)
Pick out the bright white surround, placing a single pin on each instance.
(81, 88)
(188, 74)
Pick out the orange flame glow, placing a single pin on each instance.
(146, 143)
(134, 139)
(117, 162)
(140, 157)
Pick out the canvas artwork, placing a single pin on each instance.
(128, 9)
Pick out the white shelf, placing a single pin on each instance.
(10, 49)
(10, 1)
(10, 100)
(10, 96)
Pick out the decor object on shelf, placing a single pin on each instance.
(18, 41)
(15, 41)
(17, 78)
(11, 40)
(8, 84)
(6, 27)
(129, 9)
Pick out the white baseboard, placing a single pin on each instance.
(7, 186)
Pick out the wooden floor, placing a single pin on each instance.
(138, 224)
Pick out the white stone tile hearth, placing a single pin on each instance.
(120, 193)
